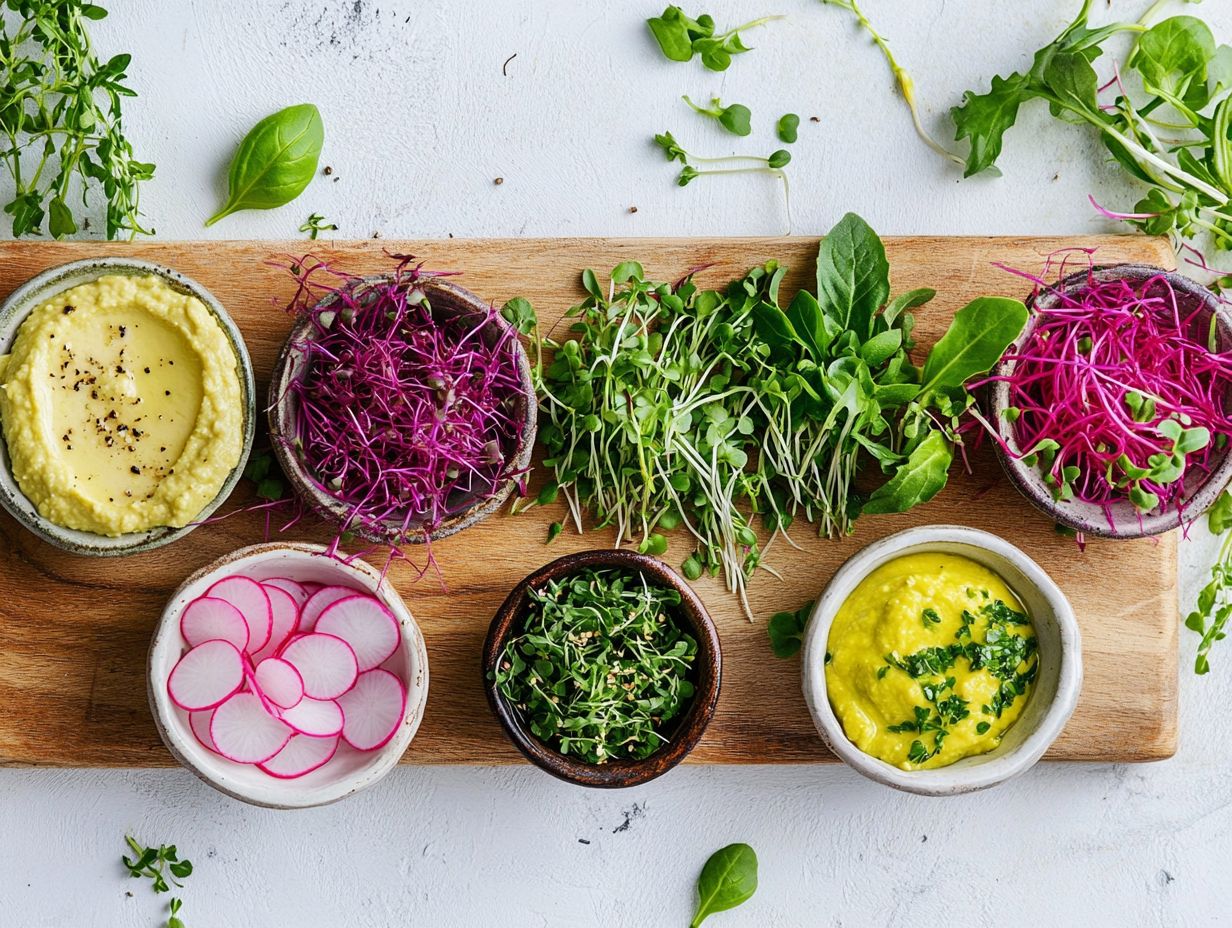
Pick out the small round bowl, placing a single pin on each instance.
(690, 726)
(449, 301)
(13, 312)
(1049, 705)
(349, 770)
(1127, 521)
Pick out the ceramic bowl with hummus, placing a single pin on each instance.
(126, 405)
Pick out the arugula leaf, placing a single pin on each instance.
(985, 118)
(853, 275)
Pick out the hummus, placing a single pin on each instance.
(122, 406)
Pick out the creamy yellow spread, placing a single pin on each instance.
(122, 406)
(930, 659)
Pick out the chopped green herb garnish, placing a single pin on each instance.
(931, 617)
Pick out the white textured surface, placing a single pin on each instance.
(419, 121)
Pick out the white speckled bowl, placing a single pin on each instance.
(1051, 701)
(349, 770)
(13, 312)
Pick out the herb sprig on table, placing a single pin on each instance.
(728, 879)
(163, 867)
(61, 122)
(680, 37)
(600, 665)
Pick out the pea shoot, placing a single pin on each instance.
(163, 867)
(600, 667)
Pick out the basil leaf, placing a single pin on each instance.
(853, 276)
(921, 477)
(974, 342)
(275, 162)
(728, 879)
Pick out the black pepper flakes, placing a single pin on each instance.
(135, 469)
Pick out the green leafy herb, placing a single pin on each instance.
(906, 85)
(163, 867)
(680, 37)
(728, 879)
(930, 617)
(262, 470)
(788, 127)
(316, 224)
(1211, 612)
(600, 666)
(61, 122)
(735, 118)
(1219, 516)
(786, 630)
(554, 531)
(275, 162)
(772, 164)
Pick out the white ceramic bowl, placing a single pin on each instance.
(1049, 705)
(349, 770)
(38, 290)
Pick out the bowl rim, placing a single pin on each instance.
(14, 311)
(951, 779)
(1086, 517)
(278, 412)
(692, 725)
(281, 794)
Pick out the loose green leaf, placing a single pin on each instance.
(275, 162)
(1219, 516)
(735, 118)
(315, 224)
(786, 630)
(788, 128)
(853, 275)
(974, 342)
(728, 879)
(921, 477)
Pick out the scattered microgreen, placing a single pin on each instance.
(600, 665)
(906, 85)
(788, 128)
(772, 164)
(680, 37)
(728, 879)
(163, 867)
(786, 630)
(315, 224)
(61, 121)
(554, 531)
(1211, 612)
(735, 117)
(263, 471)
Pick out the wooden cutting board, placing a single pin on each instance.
(74, 630)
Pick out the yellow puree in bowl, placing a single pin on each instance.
(122, 406)
(930, 659)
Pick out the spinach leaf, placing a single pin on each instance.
(853, 275)
(1172, 59)
(917, 480)
(905, 301)
(974, 342)
(805, 317)
(275, 162)
(728, 879)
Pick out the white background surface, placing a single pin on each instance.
(419, 121)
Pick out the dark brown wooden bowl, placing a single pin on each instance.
(449, 301)
(689, 728)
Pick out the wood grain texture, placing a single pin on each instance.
(74, 631)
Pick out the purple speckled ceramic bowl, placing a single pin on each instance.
(1088, 518)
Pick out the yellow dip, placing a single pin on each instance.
(121, 406)
(930, 659)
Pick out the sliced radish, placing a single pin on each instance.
(207, 618)
(199, 722)
(250, 598)
(244, 732)
(284, 617)
(366, 625)
(318, 718)
(326, 663)
(373, 710)
(298, 591)
(279, 682)
(302, 754)
(206, 676)
(317, 603)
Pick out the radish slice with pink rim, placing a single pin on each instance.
(301, 755)
(279, 682)
(242, 731)
(250, 598)
(297, 590)
(318, 718)
(207, 619)
(319, 601)
(199, 723)
(284, 617)
(326, 663)
(373, 710)
(366, 625)
(206, 676)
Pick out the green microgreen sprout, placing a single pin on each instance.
(315, 224)
(772, 164)
(1214, 606)
(600, 666)
(786, 630)
(735, 118)
(680, 37)
(788, 128)
(163, 867)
